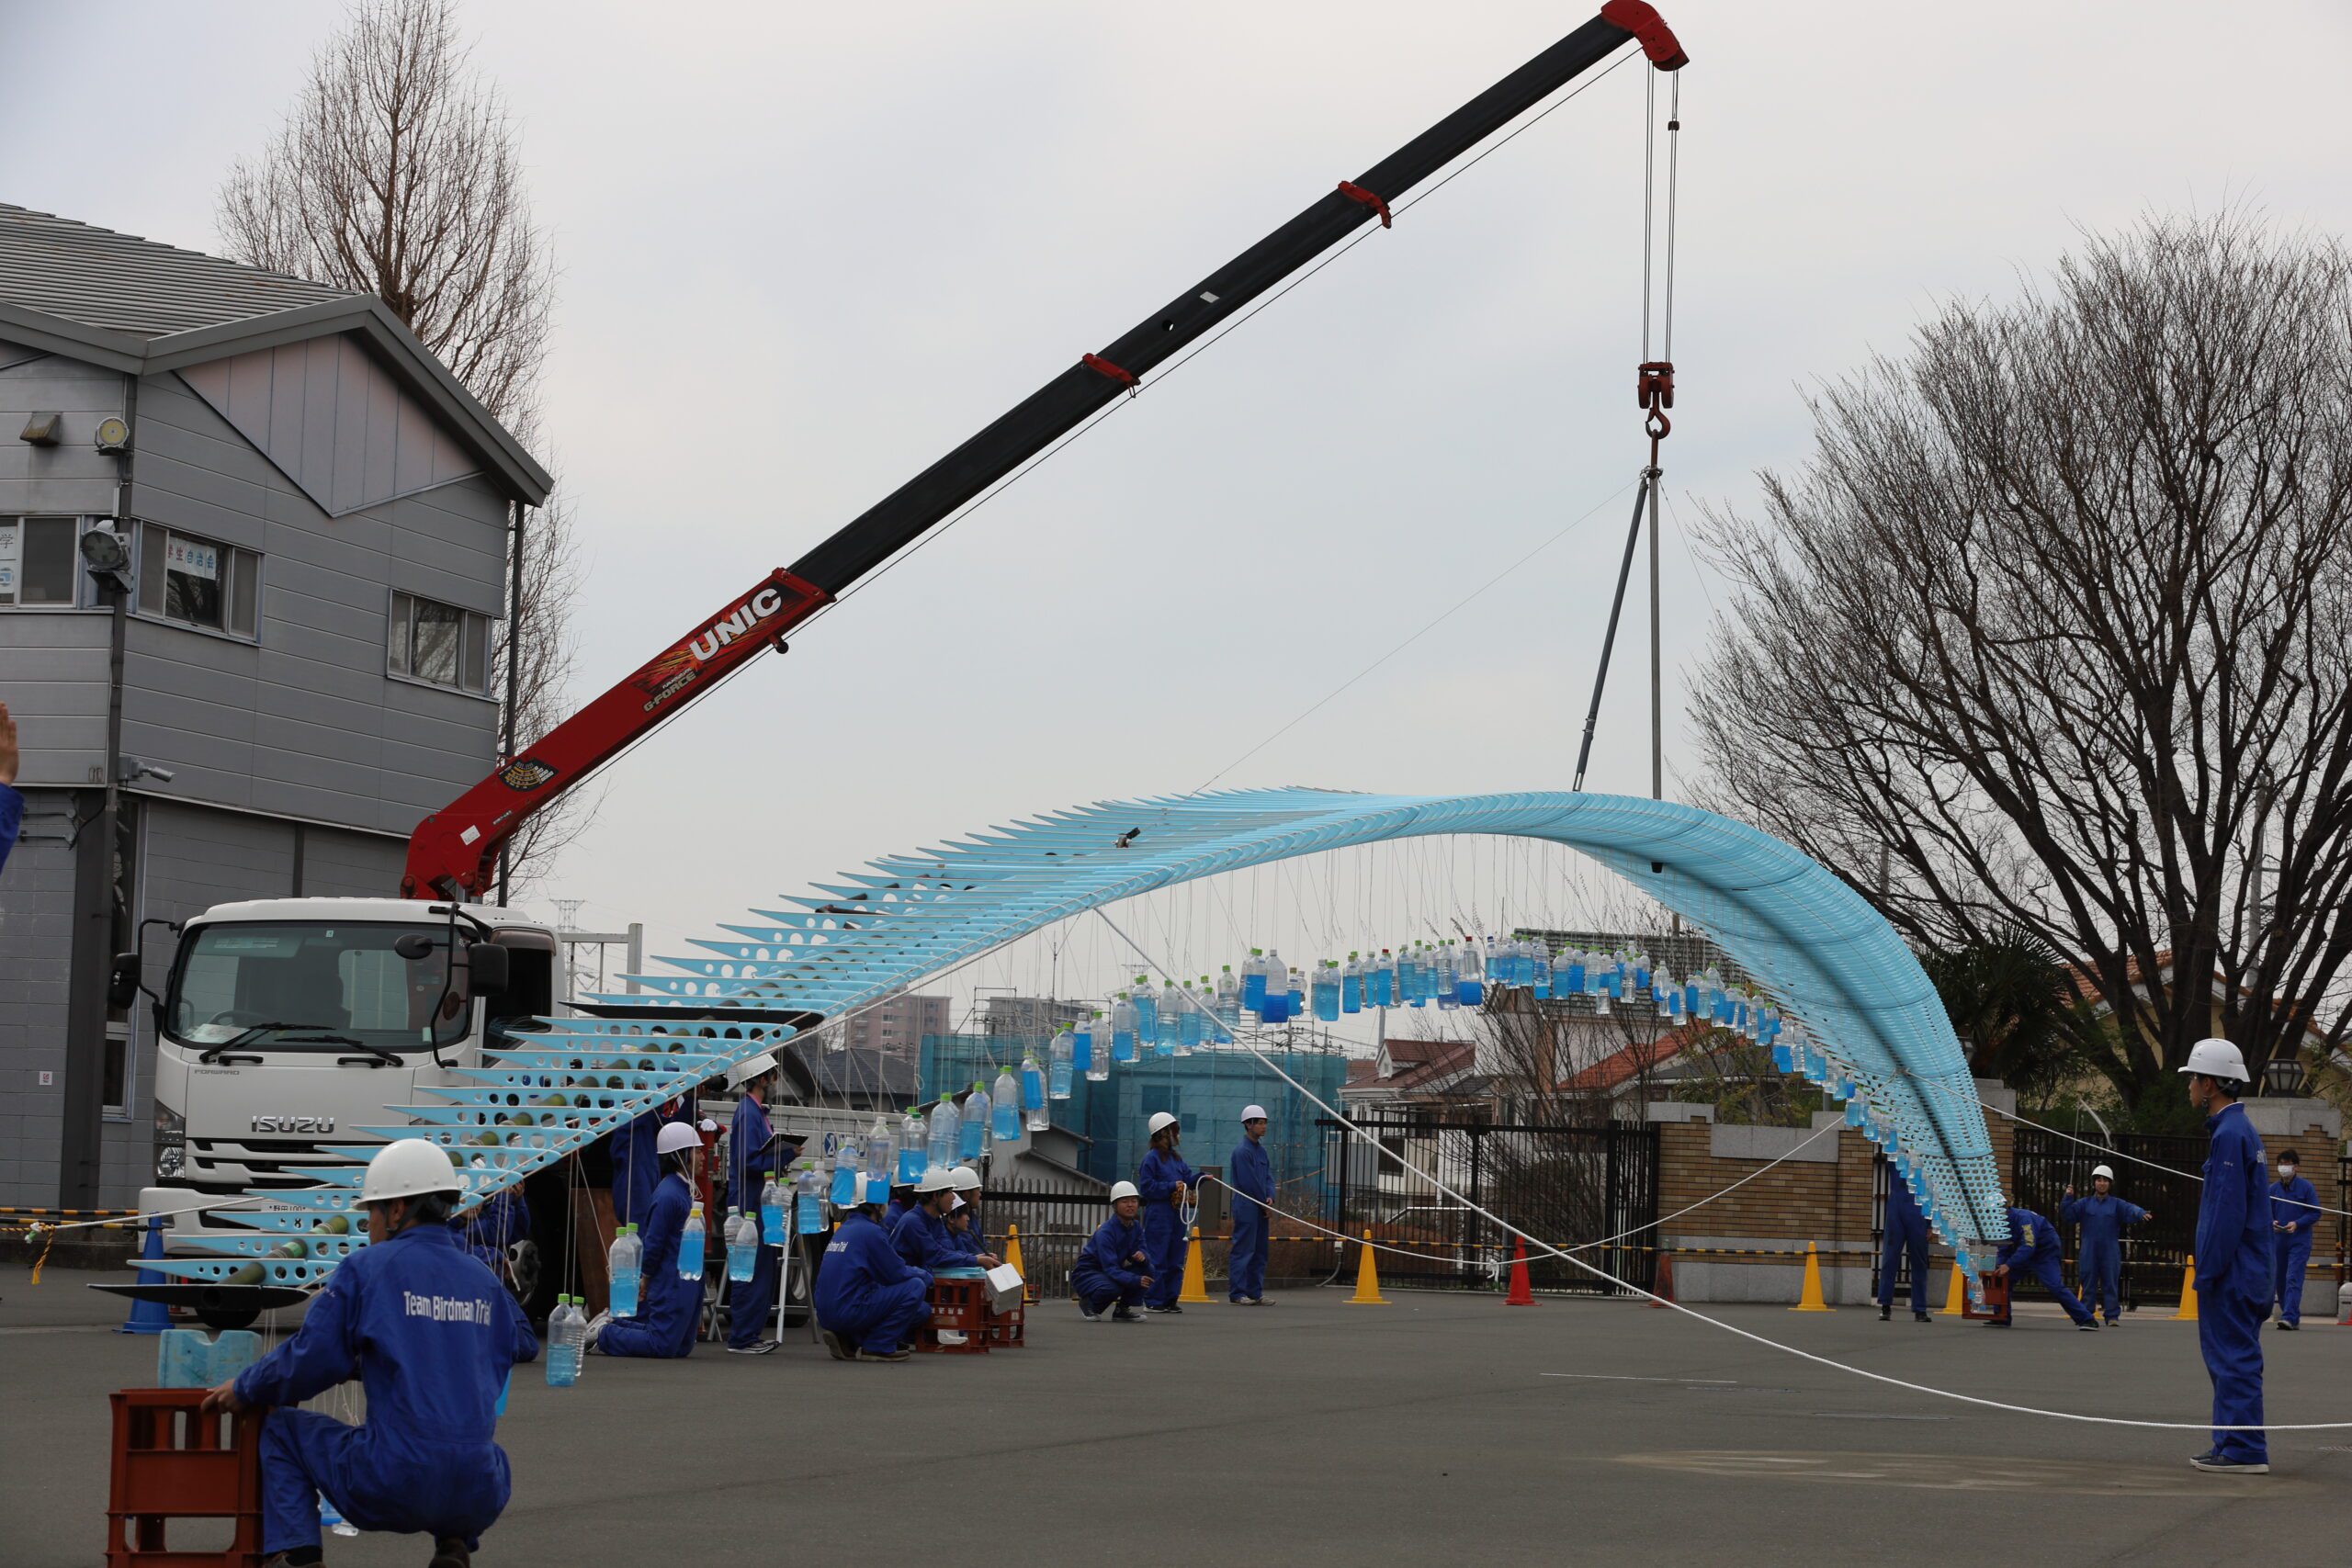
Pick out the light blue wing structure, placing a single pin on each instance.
(1828, 959)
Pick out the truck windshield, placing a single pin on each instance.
(313, 987)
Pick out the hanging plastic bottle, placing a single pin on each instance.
(1007, 1100)
(1192, 1024)
(1664, 994)
(1169, 1019)
(742, 1246)
(690, 1246)
(946, 1135)
(1783, 1057)
(914, 1148)
(1277, 988)
(1567, 972)
(1469, 982)
(976, 1132)
(1147, 1011)
(1122, 1030)
(1352, 983)
(881, 1153)
(1229, 998)
(1060, 1056)
(1539, 969)
(624, 1266)
(1326, 991)
(1253, 981)
(1095, 1050)
(772, 1207)
(1380, 981)
(1082, 1048)
(808, 1202)
(567, 1336)
(1641, 975)
(847, 1169)
(1031, 1084)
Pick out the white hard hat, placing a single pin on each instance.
(742, 1073)
(2216, 1059)
(1253, 1113)
(2099, 1170)
(1160, 1119)
(674, 1136)
(956, 1203)
(936, 1179)
(406, 1169)
(964, 1179)
(1124, 1190)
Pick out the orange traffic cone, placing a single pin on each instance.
(1019, 1265)
(2188, 1313)
(1956, 1300)
(1367, 1277)
(1522, 1294)
(1196, 1282)
(1809, 1299)
(1665, 1292)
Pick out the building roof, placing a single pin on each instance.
(1418, 1065)
(132, 305)
(1632, 1060)
(882, 1075)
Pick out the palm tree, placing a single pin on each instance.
(2014, 1008)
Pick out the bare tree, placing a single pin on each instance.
(399, 173)
(2059, 615)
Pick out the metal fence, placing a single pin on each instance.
(1568, 1186)
(2154, 1251)
(1055, 1223)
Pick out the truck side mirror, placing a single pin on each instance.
(486, 969)
(122, 980)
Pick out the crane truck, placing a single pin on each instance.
(284, 1025)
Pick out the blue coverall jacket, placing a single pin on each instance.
(2032, 1253)
(637, 1167)
(669, 1309)
(2234, 1258)
(1164, 1228)
(1251, 1176)
(922, 1238)
(430, 1333)
(2296, 1205)
(1106, 1269)
(867, 1292)
(2098, 1249)
(1906, 1238)
(12, 815)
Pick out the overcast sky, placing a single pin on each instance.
(806, 249)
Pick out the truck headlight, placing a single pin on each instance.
(171, 1128)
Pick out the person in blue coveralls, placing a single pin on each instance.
(2234, 1260)
(1251, 1177)
(963, 1218)
(2031, 1253)
(868, 1298)
(1906, 1236)
(669, 1307)
(1115, 1269)
(637, 1160)
(921, 1235)
(1166, 1183)
(431, 1334)
(2099, 1256)
(2294, 1210)
(11, 805)
(752, 1151)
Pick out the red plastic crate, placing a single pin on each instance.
(1997, 1299)
(170, 1462)
(1007, 1330)
(956, 1304)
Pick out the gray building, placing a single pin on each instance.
(289, 669)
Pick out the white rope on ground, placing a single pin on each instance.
(1582, 1246)
(1632, 1289)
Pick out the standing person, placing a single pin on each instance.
(1166, 1183)
(2294, 1210)
(753, 1150)
(637, 1160)
(11, 805)
(2031, 1253)
(2234, 1260)
(431, 1334)
(1115, 1266)
(1251, 1177)
(2100, 1253)
(868, 1298)
(669, 1307)
(1906, 1238)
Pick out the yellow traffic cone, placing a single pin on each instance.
(1809, 1299)
(1196, 1281)
(1367, 1277)
(1956, 1298)
(1013, 1260)
(2188, 1313)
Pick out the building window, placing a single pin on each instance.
(439, 644)
(38, 560)
(198, 582)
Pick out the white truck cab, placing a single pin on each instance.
(287, 1026)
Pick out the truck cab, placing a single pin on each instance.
(287, 1025)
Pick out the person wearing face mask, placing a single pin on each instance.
(2101, 1217)
(2234, 1260)
(2294, 1211)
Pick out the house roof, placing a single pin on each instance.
(1630, 1061)
(135, 305)
(1420, 1064)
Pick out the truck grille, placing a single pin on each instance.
(234, 1164)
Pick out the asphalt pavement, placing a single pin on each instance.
(1314, 1431)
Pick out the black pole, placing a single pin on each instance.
(1616, 606)
(513, 667)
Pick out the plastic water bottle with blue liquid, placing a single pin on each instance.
(1122, 1030)
(1093, 1052)
(977, 1129)
(771, 1211)
(743, 1245)
(914, 1148)
(1229, 998)
(1061, 1057)
(1253, 981)
(945, 1131)
(808, 1202)
(625, 1266)
(847, 1170)
(1147, 1011)
(567, 1333)
(1327, 990)
(690, 1240)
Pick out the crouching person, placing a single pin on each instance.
(1116, 1267)
(430, 1333)
(868, 1298)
